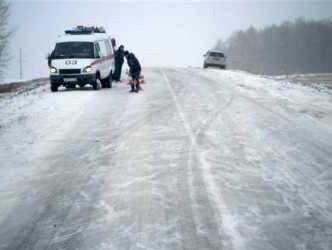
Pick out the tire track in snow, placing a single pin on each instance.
(225, 221)
(207, 123)
(287, 173)
(278, 113)
(293, 173)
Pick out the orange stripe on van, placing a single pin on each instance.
(103, 59)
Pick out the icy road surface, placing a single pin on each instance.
(202, 159)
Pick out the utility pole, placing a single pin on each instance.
(21, 65)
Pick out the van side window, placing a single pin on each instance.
(102, 47)
(108, 47)
(97, 50)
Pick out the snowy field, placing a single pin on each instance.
(321, 81)
(201, 159)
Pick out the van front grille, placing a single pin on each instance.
(69, 71)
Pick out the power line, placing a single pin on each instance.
(21, 65)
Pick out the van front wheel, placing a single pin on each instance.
(54, 87)
(97, 84)
(103, 83)
(109, 81)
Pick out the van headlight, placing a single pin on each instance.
(53, 70)
(87, 69)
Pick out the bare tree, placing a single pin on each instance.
(4, 34)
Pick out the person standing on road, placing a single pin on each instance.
(134, 70)
(119, 60)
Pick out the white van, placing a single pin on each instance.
(83, 55)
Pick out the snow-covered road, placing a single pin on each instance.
(201, 159)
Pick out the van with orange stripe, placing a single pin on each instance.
(83, 55)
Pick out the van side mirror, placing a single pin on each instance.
(49, 56)
(49, 59)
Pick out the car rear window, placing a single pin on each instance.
(73, 50)
(216, 54)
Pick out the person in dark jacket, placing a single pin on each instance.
(134, 70)
(119, 60)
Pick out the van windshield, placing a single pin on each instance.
(73, 50)
(216, 54)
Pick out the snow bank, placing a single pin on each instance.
(312, 99)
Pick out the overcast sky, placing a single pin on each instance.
(160, 33)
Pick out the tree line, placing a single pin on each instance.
(4, 34)
(302, 46)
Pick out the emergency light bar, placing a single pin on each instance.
(82, 30)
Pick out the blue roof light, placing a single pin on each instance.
(82, 30)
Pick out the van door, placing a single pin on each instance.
(103, 54)
(110, 55)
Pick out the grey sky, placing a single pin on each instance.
(168, 33)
